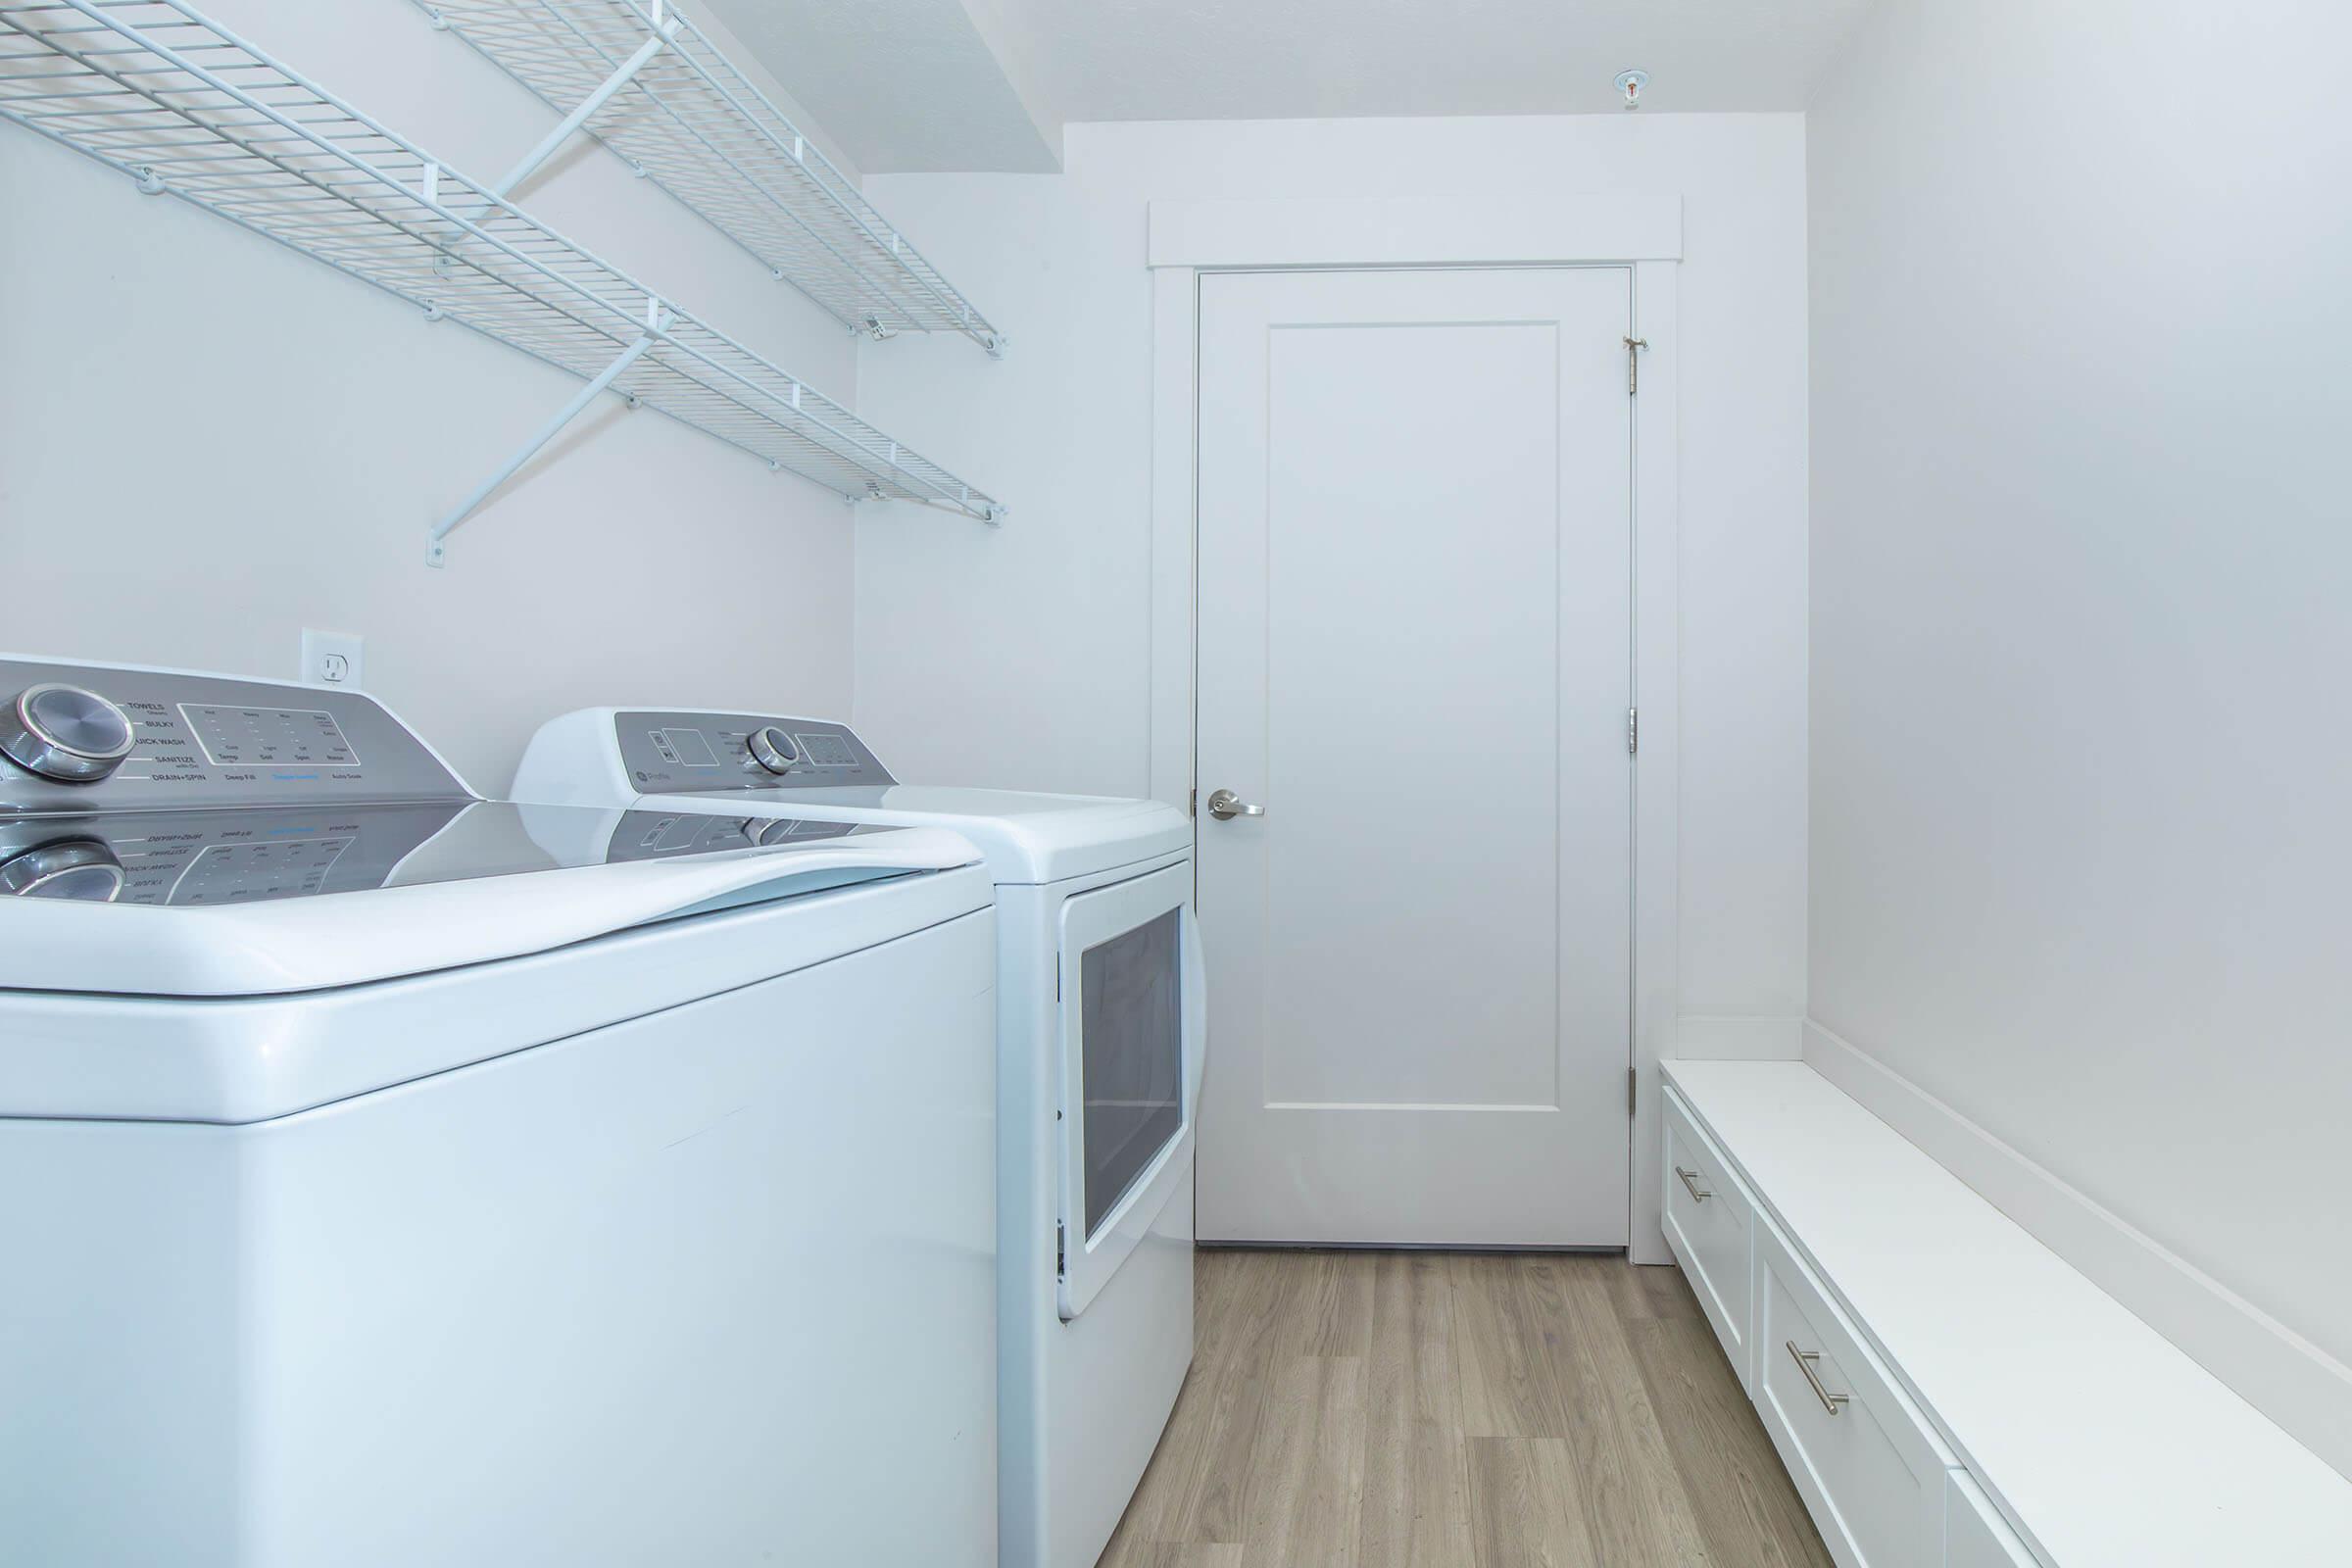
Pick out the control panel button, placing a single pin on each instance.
(773, 749)
(83, 869)
(66, 733)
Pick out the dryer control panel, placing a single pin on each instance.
(95, 738)
(677, 753)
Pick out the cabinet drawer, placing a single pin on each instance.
(1710, 1220)
(1975, 1534)
(1869, 1467)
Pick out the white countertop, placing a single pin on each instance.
(2100, 1439)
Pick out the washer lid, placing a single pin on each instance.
(1025, 837)
(252, 902)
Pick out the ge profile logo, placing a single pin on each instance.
(643, 777)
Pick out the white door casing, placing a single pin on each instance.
(1414, 650)
(1643, 229)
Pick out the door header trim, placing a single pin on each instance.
(1416, 231)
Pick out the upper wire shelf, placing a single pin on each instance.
(161, 92)
(663, 97)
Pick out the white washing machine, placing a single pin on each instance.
(391, 1177)
(1101, 1051)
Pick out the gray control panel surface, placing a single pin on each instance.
(204, 741)
(672, 754)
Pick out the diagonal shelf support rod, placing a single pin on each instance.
(437, 550)
(663, 30)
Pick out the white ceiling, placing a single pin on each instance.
(967, 84)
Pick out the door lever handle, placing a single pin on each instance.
(1224, 805)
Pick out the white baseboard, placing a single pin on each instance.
(2304, 1389)
(1730, 1037)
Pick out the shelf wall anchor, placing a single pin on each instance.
(436, 549)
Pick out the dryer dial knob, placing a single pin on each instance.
(65, 733)
(83, 869)
(773, 749)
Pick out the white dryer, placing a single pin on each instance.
(392, 1177)
(1100, 1054)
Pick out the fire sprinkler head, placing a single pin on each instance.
(1629, 83)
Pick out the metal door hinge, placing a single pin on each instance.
(1633, 1090)
(1633, 732)
(1633, 364)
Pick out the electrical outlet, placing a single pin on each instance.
(331, 658)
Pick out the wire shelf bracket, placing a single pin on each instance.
(160, 92)
(640, 78)
(436, 552)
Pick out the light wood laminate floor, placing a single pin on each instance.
(1375, 1409)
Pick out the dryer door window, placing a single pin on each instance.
(1132, 1021)
(1133, 1018)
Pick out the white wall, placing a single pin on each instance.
(2081, 317)
(1020, 657)
(207, 441)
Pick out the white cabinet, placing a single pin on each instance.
(1709, 1218)
(1915, 1353)
(1975, 1534)
(1870, 1468)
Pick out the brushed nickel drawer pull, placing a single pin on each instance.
(1696, 1195)
(1805, 1364)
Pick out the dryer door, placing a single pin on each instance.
(1133, 1024)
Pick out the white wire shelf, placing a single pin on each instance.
(657, 92)
(180, 105)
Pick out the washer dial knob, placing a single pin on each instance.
(773, 749)
(81, 869)
(65, 733)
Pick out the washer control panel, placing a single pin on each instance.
(91, 738)
(672, 754)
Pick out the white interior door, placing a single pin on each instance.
(1415, 527)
